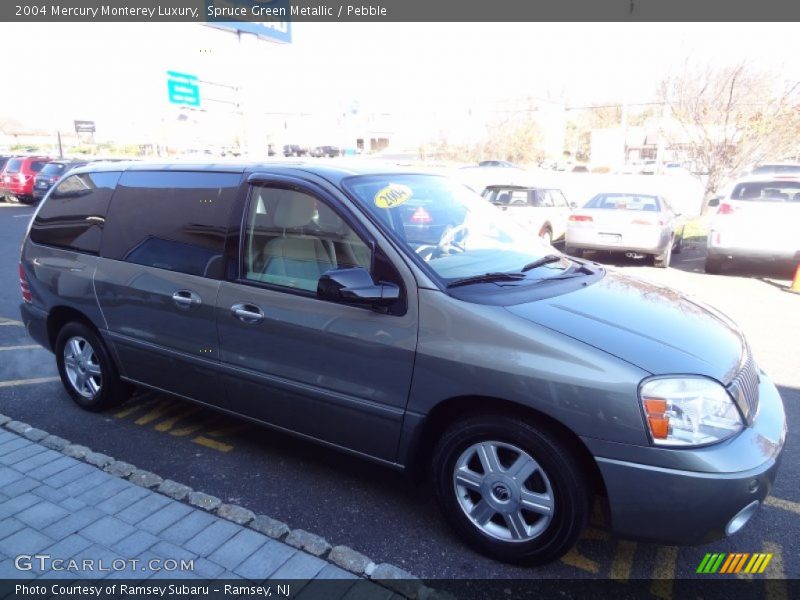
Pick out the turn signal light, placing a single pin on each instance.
(725, 209)
(580, 218)
(657, 419)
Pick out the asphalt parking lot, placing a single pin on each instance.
(377, 511)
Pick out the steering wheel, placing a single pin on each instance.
(446, 244)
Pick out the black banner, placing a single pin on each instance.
(397, 10)
(710, 588)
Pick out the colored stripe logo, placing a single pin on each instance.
(741, 562)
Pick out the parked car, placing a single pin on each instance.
(325, 151)
(17, 177)
(638, 225)
(50, 174)
(523, 380)
(294, 150)
(758, 219)
(542, 210)
(497, 163)
(777, 169)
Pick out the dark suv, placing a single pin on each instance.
(16, 180)
(312, 299)
(50, 174)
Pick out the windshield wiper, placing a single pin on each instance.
(540, 262)
(486, 278)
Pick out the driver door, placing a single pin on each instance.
(334, 372)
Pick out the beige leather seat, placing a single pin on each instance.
(295, 259)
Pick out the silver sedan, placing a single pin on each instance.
(638, 225)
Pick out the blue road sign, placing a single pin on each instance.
(183, 88)
(268, 19)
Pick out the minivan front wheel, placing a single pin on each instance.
(512, 490)
(86, 368)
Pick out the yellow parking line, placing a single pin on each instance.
(664, 572)
(159, 411)
(623, 560)
(14, 382)
(25, 347)
(168, 424)
(784, 504)
(213, 444)
(593, 533)
(776, 584)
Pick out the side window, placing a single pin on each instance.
(74, 214)
(558, 198)
(171, 220)
(538, 198)
(291, 239)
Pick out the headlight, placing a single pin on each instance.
(688, 411)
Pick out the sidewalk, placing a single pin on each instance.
(56, 505)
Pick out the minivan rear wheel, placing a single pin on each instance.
(86, 369)
(512, 490)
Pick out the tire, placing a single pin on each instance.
(713, 265)
(509, 534)
(678, 246)
(82, 365)
(661, 261)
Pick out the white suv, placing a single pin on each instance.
(758, 219)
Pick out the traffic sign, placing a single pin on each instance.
(183, 88)
(84, 126)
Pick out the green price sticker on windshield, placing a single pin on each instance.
(392, 195)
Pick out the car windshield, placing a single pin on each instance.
(450, 227)
(771, 191)
(625, 202)
(53, 168)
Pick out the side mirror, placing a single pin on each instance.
(355, 286)
(713, 202)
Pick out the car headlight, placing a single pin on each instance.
(688, 411)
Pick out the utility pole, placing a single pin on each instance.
(60, 147)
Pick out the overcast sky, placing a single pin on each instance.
(114, 73)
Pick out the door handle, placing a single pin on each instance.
(186, 299)
(247, 313)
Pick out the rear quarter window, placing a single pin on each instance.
(13, 165)
(37, 165)
(173, 220)
(74, 213)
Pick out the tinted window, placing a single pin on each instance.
(74, 214)
(292, 238)
(37, 165)
(625, 202)
(13, 165)
(171, 220)
(53, 169)
(770, 191)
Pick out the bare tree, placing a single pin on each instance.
(729, 118)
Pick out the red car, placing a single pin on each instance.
(16, 180)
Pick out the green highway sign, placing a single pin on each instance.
(183, 88)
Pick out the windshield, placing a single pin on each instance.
(625, 202)
(772, 191)
(53, 168)
(450, 227)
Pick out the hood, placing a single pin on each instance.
(655, 328)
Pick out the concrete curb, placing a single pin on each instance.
(387, 575)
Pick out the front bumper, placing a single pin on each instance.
(694, 504)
